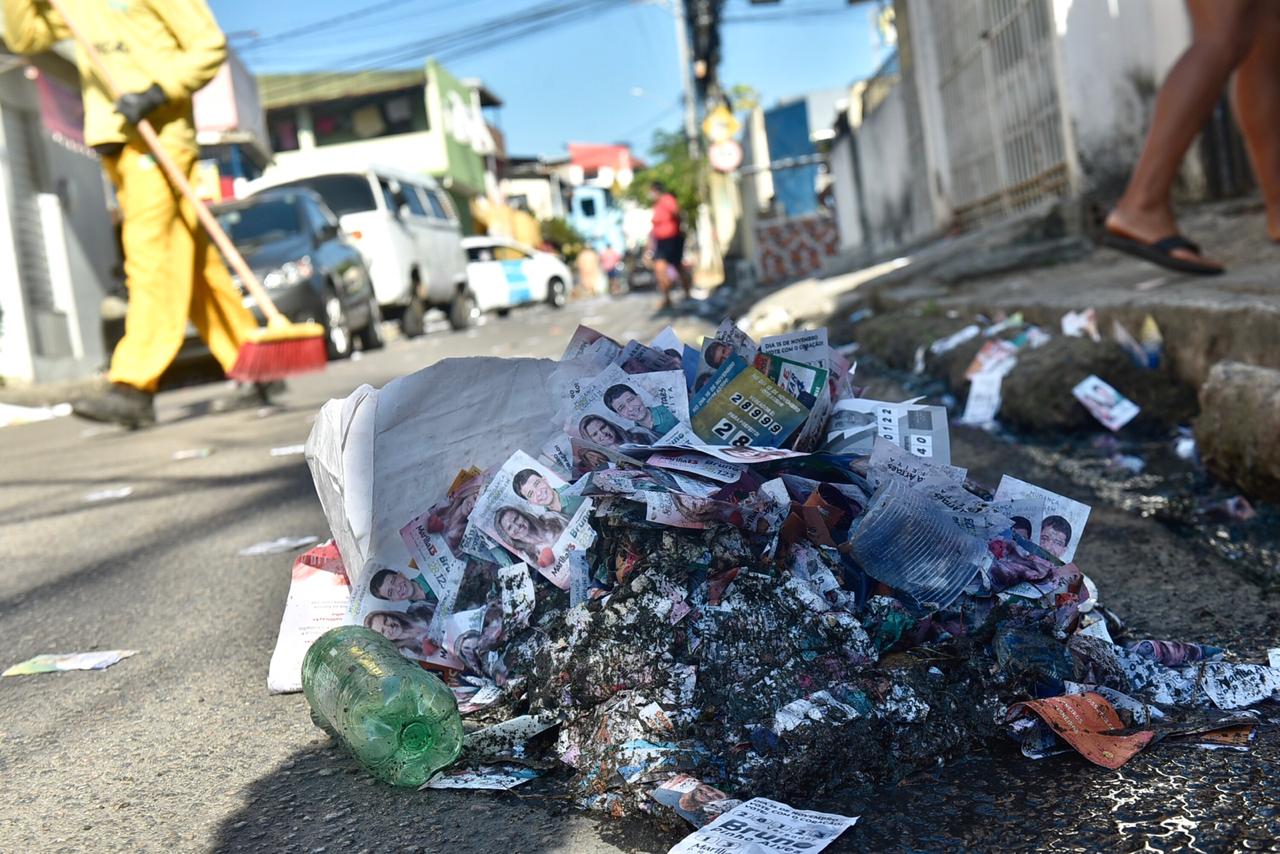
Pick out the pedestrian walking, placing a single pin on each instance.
(160, 52)
(1228, 36)
(666, 242)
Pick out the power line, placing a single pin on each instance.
(669, 110)
(463, 41)
(784, 16)
(323, 24)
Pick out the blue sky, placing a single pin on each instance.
(611, 77)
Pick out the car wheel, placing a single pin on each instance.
(557, 293)
(371, 336)
(463, 312)
(337, 325)
(413, 321)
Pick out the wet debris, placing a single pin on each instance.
(719, 575)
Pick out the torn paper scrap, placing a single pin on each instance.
(54, 663)
(1089, 724)
(12, 415)
(1109, 406)
(497, 779)
(1077, 324)
(113, 493)
(319, 596)
(278, 546)
(984, 400)
(692, 799)
(762, 826)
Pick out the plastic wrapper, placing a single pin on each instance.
(908, 542)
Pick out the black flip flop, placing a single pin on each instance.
(1161, 252)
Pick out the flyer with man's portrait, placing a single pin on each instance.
(616, 408)
(528, 510)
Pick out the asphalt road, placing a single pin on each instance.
(181, 748)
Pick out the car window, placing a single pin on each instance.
(316, 219)
(437, 204)
(262, 222)
(413, 199)
(344, 194)
(388, 195)
(509, 253)
(480, 253)
(588, 207)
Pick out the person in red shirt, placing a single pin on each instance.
(666, 242)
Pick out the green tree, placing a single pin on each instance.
(564, 237)
(743, 98)
(673, 166)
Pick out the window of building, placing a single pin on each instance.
(369, 116)
(283, 130)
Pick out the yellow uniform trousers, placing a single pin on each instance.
(172, 272)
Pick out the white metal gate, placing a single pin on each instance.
(1001, 105)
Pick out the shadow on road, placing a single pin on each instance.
(320, 799)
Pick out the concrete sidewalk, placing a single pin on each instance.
(1204, 320)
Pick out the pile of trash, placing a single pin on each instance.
(681, 577)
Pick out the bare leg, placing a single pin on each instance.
(1222, 35)
(662, 271)
(1257, 102)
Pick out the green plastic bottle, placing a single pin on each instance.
(401, 722)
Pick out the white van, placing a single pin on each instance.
(406, 228)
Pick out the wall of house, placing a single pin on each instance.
(420, 152)
(57, 251)
(890, 174)
(537, 193)
(1114, 56)
(920, 72)
(842, 163)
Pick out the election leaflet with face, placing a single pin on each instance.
(617, 408)
(744, 408)
(728, 341)
(637, 358)
(434, 539)
(1062, 524)
(527, 510)
(589, 457)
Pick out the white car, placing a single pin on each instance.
(502, 274)
(405, 226)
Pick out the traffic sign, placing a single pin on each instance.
(725, 156)
(721, 125)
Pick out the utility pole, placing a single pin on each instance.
(680, 11)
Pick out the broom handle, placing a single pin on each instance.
(148, 134)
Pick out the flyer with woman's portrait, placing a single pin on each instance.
(528, 510)
(617, 408)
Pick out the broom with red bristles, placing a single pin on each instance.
(272, 352)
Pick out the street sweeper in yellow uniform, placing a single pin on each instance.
(160, 52)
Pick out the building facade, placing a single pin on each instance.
(423, 120)
(58, 255)
(990, 110)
